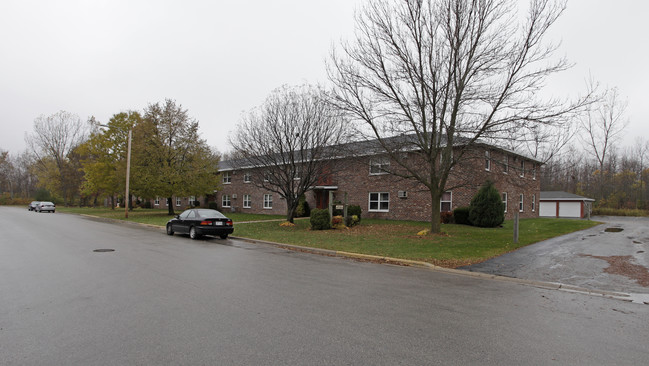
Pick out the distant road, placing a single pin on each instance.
(161, 300)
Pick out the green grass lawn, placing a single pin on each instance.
(457, 245)
(154, 216)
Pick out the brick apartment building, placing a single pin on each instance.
(386, 196)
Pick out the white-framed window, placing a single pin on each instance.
(268, 201)
(504, 194)
(379, 202)
(246, 201)
(179, 201)
(227, 178)
(534, 171)
(266, 177)
(247, 177)
(487, 160)
(446, 201)
(520, 203)
(533, 203)
(192, 199)
(506, 164)
(156, 201)
(225, 200)
(379, 165)
(522, 168)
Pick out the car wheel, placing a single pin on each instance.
(224, 236)
(193, 234)
(169, 230)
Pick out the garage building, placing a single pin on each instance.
(564, 204)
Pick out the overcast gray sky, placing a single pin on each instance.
(221, 58)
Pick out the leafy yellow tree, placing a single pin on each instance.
(104, 155)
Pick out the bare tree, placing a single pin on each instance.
(603, 126)
(53, 139)
(641, 150)
(449, 74)
(289, 141)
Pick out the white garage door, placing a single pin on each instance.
(569, 209)
(548, 209)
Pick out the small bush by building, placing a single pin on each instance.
(446, 217)
(319, 219)
(303, 209)
(461, 216)
(354, 210)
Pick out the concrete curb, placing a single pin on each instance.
(636, 298)
(453, 271)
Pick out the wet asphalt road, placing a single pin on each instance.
(571, 259)
(159, 300)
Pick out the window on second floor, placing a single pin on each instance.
(506, 164)
(247, 177)
(522, 168)
(379, 166)
(227, 178)
(487, 160)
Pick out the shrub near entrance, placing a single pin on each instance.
(320, 219)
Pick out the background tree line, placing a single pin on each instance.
(74, 162)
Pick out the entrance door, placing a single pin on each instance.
(322, 199)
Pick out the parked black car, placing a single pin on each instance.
(200, 221)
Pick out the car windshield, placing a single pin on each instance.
(210, 213)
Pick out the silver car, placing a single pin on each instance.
(32, 206)
(46, 206)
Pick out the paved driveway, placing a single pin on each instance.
(613, 256)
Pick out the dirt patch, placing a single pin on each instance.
(621, 265)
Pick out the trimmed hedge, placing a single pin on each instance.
(320, 219)
(461, 215)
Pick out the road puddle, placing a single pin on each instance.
(613, 229)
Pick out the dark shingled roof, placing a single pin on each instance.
(370, 147)
(562, 196)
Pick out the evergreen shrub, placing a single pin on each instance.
(487, 208)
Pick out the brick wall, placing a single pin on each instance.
(355, 179)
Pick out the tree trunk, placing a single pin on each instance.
(435, 217)
(170, 206)
(291, 206)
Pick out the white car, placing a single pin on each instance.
(46, 206)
